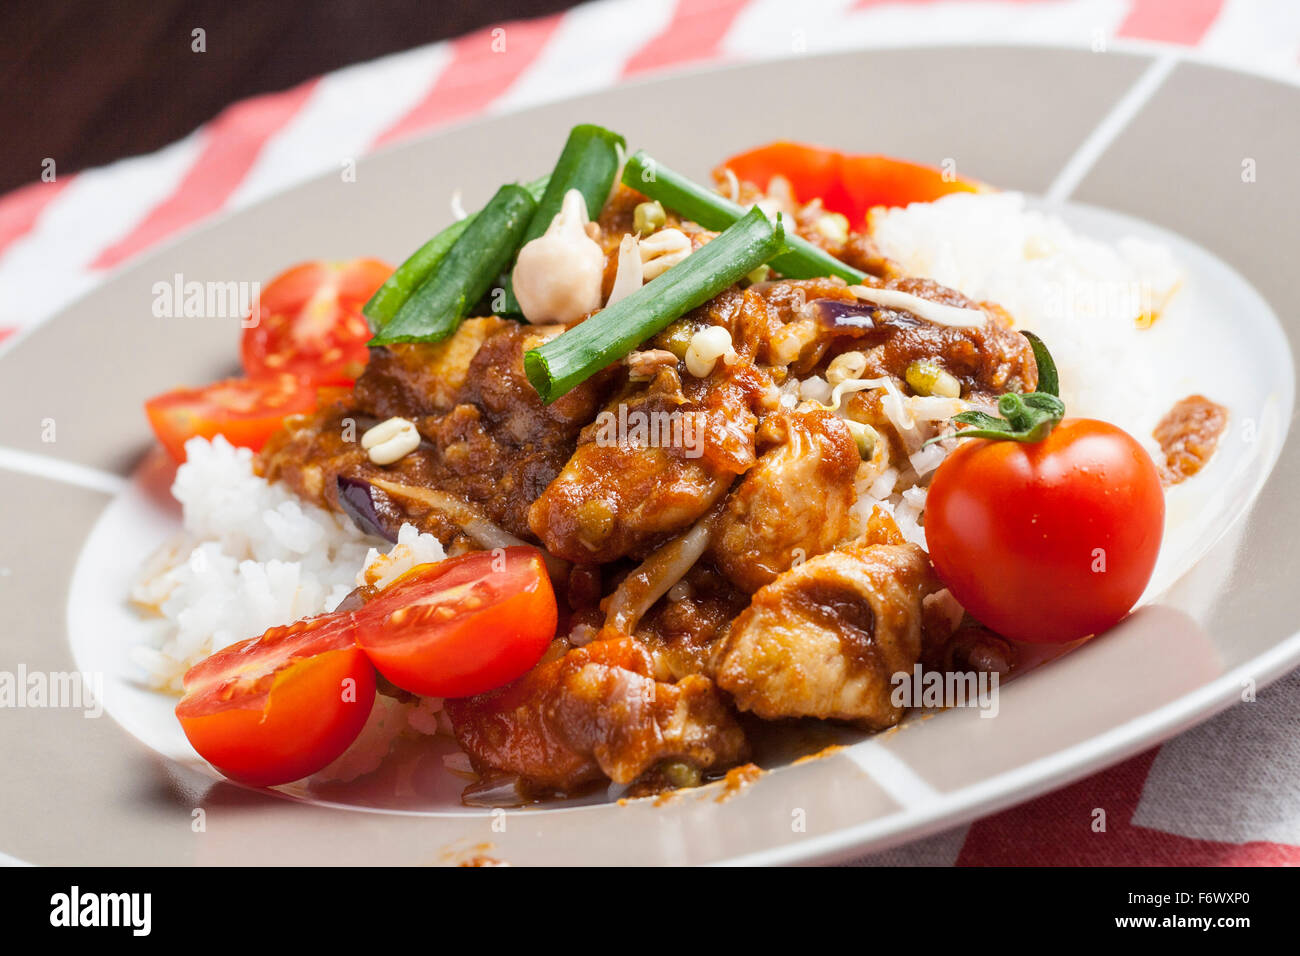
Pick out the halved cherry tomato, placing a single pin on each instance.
(245, 411)
(281, 706)
(847, 183)
(309, 322)
(1047, 541)
(462, 626)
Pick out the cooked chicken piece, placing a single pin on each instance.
(861, 252)
(794, 338)
(652, 463)
(751, 317)
(680, 630)
(770, 520)
(487, 438)
(412, 378)
(615, 500)
(824, 639)
(987, 360)
(596, 712)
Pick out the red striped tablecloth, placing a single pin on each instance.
(1224, 793)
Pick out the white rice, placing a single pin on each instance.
(412, 548)
(389, 720)
(252, 556)
(1089, 300)
(898, 487)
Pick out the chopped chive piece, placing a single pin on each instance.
(588, 163)
(800, 260)
(388, 298)
(574, 356)
(434, 310)
(672, 189)
(407, 277)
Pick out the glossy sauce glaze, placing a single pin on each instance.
(1188, 436)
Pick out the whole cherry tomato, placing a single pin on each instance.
(1047, 541)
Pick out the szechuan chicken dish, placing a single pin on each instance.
(621, 469)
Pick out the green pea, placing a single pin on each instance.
(648, 217)
(680, 773)
(677, 337)
(928, 378)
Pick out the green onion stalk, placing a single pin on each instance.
(579, 353)
(800, 259)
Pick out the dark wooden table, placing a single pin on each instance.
(85, 82)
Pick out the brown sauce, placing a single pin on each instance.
(1188, 436)
(824, 752)
(737, 779)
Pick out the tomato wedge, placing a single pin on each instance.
(281, 706)
(847, 183)
(309, 322)
(245, 411)
(462, 626)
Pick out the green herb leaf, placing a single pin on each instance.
(1048, 381)
(981, 420)
(1025, 418)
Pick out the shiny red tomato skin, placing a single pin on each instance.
(1050, 541)
(847, 183)
(282, 706)
(309, 322)
(463, 626)
(245, 411)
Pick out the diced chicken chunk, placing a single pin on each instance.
(794, 503)
(596, 712)
(824, 639)
(426, 379)
(488, 438)
(615, 500)
(655, 460)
